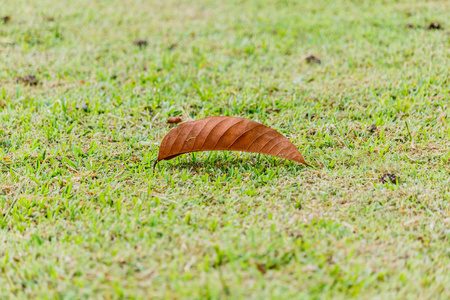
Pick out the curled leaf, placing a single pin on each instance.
(311, 59)
(226, 133)
(174, 120)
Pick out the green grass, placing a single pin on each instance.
(85, 216)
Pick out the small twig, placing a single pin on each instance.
(415, 160)
(13, 203)
(156, 116)
(411, 159)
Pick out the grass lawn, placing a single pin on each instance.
(84, 215)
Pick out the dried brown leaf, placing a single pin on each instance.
(6, 19)
(261, 268)
(434, 26)
(174, 120)
(372, 128)
(140, 43)
(28, 80)
(389, 177)
(311, 59)
(226, 133)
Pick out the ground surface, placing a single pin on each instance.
(84, 214)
